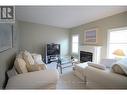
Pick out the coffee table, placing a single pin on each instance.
(64, 62)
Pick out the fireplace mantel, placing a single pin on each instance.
(96, 50)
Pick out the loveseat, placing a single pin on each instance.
(104, 79)
(100, 77)
(29, 72)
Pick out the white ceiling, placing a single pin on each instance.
(65, 16)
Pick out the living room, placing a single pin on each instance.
(70, 27)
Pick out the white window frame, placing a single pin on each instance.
(108, 37)
(72, 43)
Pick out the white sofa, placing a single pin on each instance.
(100, 78)
(105, 78)
(39, 78)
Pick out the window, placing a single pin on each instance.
(117, 40)
(75, 41)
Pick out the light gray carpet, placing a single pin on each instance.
(67, 79)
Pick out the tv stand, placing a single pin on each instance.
(52, 53)
(52, 58)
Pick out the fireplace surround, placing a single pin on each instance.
(90, 53)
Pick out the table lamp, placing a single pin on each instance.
(119, 53)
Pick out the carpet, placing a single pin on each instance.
(67, 79)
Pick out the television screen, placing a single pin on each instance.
(53, 49)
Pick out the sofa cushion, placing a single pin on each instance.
(20, 66)
(28, 57)
(33, 80)
(99, 66)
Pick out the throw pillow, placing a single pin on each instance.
(43, 66)
(35, 67)
(28, 57)
(37, 58)
(20, 65)
(99, 66)
(119, 68)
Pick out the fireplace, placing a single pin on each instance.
(85, 56)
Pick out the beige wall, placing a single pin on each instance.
(33, 37)
(103, 25)
(7, 57)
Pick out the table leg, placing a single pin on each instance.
(61, 69)
(57, 66)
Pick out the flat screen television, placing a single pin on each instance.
(53, 49)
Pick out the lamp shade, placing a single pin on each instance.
(119, 52)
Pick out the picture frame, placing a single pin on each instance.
(6, 37)
(90, 36)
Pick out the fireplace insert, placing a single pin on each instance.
(85, 56)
